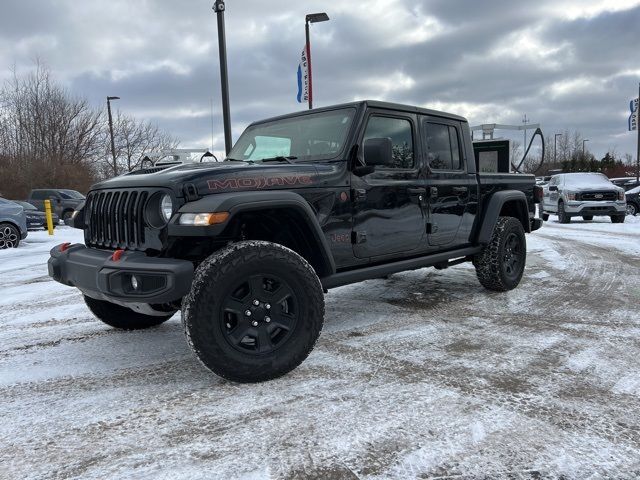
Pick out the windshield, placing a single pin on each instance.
(25, 205)
(316, 136)
(69, 194)
(586, 179)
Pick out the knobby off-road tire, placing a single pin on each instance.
(562, 215)
(500, 265)
(254, 312)
(123, 317)
(9, 236)
(617, 218)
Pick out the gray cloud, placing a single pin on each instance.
(566, 63)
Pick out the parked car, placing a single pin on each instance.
(63, 201)
(304, 203)
(633, 201)
(583, 194)
(625, 182)
(13, 224)
(36, 220)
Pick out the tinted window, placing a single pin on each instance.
(443, 147)
(69, 194)
(399, 131)
(39, 194)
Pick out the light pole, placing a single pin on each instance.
(555, 147)
(113, 145)
(583, 142)
(312, 18)
(219, 8)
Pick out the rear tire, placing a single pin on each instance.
(254, 312)
(588, 218)
(562, 215)
(500, 265)
(617, 218)
(9, 236)
(123, 318)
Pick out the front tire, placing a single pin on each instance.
(9, 236)
(500, 265)
(632, 208)
(254, 312)
(123, 318)
(562, 215)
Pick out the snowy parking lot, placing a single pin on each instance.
(421, 375)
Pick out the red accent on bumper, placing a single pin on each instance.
(117, 255)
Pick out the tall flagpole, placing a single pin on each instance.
(308, 47)
(219, 8)
(638, 132)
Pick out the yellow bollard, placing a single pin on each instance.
(47, 210)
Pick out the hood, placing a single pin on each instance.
(219, 177)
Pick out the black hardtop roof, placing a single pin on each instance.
(371, 104)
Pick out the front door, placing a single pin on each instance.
(449, 185)
(388, 214)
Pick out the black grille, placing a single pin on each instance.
(599, 196)
(115, 218)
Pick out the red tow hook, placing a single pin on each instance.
(117, 255)
(65, 246)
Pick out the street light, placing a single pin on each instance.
(312, 18)
(555, 147)
(583, 142)
(113, 145)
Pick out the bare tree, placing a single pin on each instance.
(48, 137)
(134, 139)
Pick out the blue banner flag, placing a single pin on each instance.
(633, 118)
(303, 77)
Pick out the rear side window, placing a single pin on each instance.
(443, 147)
(399, 131)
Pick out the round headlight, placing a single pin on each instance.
(166, 207)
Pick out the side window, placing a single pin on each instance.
(39, 195)
(401, 135)
(443, 147)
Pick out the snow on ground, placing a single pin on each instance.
(422, 375)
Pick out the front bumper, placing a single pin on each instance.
(595, 208)
(98, 275)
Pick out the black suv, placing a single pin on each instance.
(303, 203)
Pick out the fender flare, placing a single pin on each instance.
(493, 208)
(241, 202)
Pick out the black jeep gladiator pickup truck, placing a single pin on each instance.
(303, 203)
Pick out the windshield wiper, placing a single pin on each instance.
(279, 159)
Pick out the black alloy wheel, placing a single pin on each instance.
(259, 314)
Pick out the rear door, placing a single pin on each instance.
(388, 215)
(449, 186)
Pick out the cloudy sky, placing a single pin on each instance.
(564, 63)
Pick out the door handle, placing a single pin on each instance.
(460, 189)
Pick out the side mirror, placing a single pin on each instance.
(378, 151)
(553, 188)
